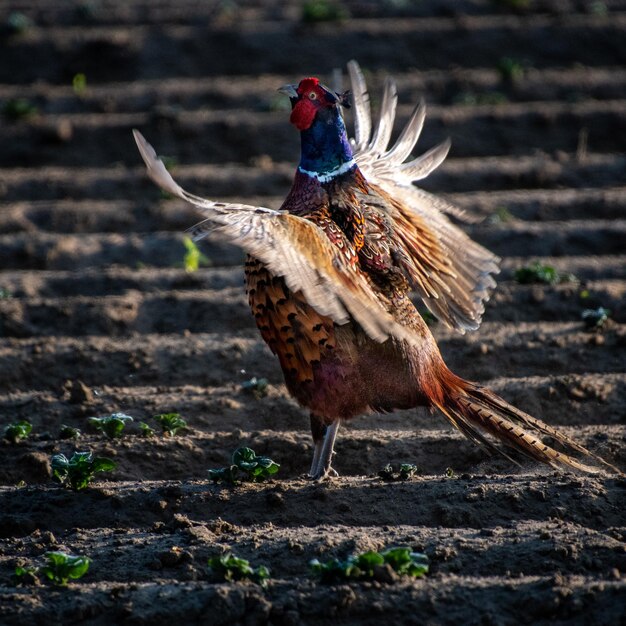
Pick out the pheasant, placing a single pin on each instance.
(329, 276)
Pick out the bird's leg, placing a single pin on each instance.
(324, 441)
(318, 431)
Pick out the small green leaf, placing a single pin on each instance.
(246, 465)
(146, 430)
(231, 568)
(62, 567)
(193, 257)
(111, 425)
(257, 386)
(171, 423)
(17, 431)
(69, 432)
(538, 273)
(77, 472)
(79, 84)
(595, 318)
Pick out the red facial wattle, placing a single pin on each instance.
(303, 114)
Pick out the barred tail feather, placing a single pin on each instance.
(478, 412)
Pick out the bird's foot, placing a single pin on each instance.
(323, 474)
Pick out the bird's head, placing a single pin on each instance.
(310, 99)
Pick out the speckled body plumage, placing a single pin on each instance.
(337, 371)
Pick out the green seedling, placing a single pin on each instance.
(595, 318)
(18, 109)
(171, 423)
(370, 565)
(18, 23)
(79, 84)
(450, 473)
(406, 471)
(193, 257)
(26, 575)
(246, 465)
(315, 11)
(111, 425)
(146, 430)
(257, 386)
(428, 317)
(510, 70)
(5, 294)
(539, 273)
(230, 567)
(501, 215)
(77, 472)
(17, 431)
(62, 567)
(69, 432)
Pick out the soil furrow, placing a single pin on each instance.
(226, 309)
(470, 87)
(88, 140)
(128, 53)
(510, 349)
(357, 502)
(565, 399)
(267, 178)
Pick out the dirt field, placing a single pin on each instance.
(97, 314)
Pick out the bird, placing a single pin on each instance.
(330, 273)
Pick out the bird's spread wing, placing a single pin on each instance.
(291, 247)
(451, 272)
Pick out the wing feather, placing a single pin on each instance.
(291, 247)
(452, 273)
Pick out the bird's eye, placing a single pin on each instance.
(312, 96)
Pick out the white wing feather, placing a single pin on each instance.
(291, 247)
(457, 295)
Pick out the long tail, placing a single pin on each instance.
(478, 412)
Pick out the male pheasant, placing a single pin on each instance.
(329, 275)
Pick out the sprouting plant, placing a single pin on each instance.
(69, 432)
(501, 215)
(5, 294)
(77, 472)
(257, 386)
(62, 567)
(230, 567)
(146, 430)
(17, 431)
(111, 425)
(26, 575)
(18, 109)
(450, 473)
(193, 257)
(595, 318)
(170, 162)
(537, 272)
(246, 465)
(406, 471)
(366, 566)
(428, 317)
(79, 84)
(18, 23)
(510, 70)
(314, 11)
(170, 423)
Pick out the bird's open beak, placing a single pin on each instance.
(288, 90)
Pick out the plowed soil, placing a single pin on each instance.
(98, 315)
